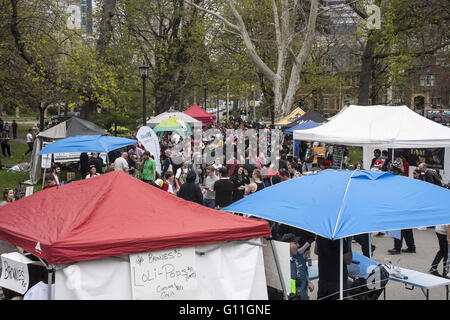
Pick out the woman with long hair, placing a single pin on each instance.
(239, 179)
(92, 172)
(8, 197)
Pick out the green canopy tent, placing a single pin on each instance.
(173, 124)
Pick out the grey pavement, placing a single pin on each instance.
(426, 248)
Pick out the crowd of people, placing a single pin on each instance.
(220, 183)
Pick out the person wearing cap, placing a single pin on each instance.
(300, 282)
(406, 234)
(160, 183)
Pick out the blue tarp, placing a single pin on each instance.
(302, 126)
(342, 203)
(97, 143)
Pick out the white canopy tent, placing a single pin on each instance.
(371, 127)
(193, 123)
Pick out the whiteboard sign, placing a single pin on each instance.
(272, 276)
(15, 274)
(164, 275)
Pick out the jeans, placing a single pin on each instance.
(307, 166)
(210, 203)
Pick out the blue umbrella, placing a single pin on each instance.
(97, 143)
(340, 203)
(302, 126)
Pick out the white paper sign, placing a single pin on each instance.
(272, 276)
(46, 162)
(148, 138)
(15, 275)
(164, 275)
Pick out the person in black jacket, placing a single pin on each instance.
(190, 190)
(96, 161)
(84, 167)
(239, 179)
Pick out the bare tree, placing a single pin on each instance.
(285, 14)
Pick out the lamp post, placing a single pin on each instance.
(205, 87)
(143, 70)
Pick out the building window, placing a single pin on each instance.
(427, 80)
(436, 102)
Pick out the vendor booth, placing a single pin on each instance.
(116, 237)
(70, 128)
(356, 202)
(310, 115)
(193, 123)
(385, 127)
(294, 115)
(201, 115)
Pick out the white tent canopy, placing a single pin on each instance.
(57, 132)
(380, 126)
(193, 123)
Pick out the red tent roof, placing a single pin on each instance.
(198, 113)
(115, 214)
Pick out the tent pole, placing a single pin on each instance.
(341, 270)
(43, 177)
(50, 280)
(370, 244)
(275, 255)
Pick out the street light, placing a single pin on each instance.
(205, 87)
(143, 70)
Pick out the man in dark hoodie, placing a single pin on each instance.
(190, 190)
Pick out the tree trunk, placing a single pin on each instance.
(89, 111)
(366, 72)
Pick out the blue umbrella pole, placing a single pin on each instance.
(341, 270)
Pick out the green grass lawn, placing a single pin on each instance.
(355, 154)
(12, 180)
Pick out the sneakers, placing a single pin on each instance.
(394, 251)
(409, 250)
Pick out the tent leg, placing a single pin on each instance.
(275, 255)
(43, 177)
(49, 282)
(341, 270)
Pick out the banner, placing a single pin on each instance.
(15, 274)
(148, 138)
(164, 275)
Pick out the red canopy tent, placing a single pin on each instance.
(198, 113)
(115, 214)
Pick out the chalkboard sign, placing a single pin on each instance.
(338, 157)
